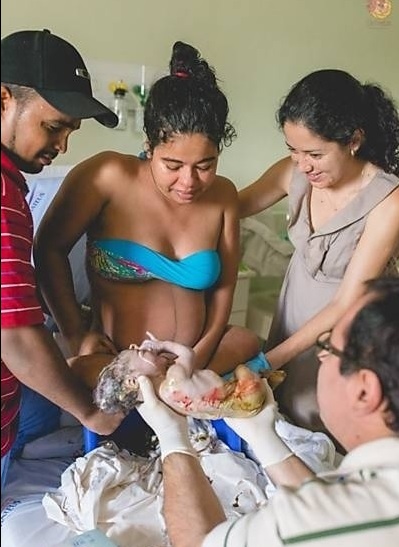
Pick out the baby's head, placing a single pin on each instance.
(117, 387)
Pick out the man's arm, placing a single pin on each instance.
(191, 506)
(291, 472)
(33, 357)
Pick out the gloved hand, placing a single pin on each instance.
(259, 432)
(170, 428)
(258, 364)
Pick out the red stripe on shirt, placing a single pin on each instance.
(19, 302)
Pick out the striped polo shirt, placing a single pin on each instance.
(357, 505)
(19, 302)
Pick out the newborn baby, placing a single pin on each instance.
(189, 391)
(201, 393)
(117, 387)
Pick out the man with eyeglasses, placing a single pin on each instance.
(358, 396)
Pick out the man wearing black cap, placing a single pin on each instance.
(45, 92)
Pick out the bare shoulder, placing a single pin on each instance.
(225, 188)
(223, 195)
(382, 227)
(108, 162)
(389, 206)
(104, 168)
(281, 172)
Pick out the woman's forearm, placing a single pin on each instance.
(305, 337)
(56, 284)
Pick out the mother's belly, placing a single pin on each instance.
(169, 312)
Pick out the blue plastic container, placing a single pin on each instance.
(131, 434)
(133, 427)
(91, 440)
(228, 436)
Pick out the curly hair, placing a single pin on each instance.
(187, 101)
(333, 105)
(373, 343)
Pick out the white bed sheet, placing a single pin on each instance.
(45, 461)
(240, 483)
(23, 519)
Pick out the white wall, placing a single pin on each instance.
(258, 47)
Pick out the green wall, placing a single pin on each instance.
(258, 47)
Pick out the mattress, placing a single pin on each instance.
(54, 468)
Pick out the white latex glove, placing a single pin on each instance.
(260, 433)
(170, 428)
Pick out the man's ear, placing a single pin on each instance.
(5, 97)
(367, 392)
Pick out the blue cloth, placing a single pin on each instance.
(37, 417)
(124, 260)
(257, 364)
(5, 464)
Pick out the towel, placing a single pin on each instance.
(121, 493)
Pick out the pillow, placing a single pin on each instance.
(42, 189)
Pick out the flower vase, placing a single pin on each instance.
(119, 106)
(139, 119)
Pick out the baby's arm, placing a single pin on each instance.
(185, 355)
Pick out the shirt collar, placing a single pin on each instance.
(12, 171)
(379, 453)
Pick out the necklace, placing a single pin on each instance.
(337, 206)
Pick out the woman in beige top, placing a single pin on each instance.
(341, 179)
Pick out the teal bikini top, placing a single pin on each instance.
(123, 260)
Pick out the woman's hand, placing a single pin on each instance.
(96, 342)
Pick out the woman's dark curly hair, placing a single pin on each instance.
(187, 101)
(333, 105)
(373, 343)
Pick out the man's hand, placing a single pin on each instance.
(259, 432)
(170, 428)
(102, 423)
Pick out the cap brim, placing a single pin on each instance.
(78, 105)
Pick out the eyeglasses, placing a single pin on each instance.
(323, 343)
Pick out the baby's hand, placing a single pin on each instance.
(184, 355)
(151, 344)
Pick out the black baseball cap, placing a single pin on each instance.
(55, 69)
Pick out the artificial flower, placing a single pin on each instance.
(118, 88)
